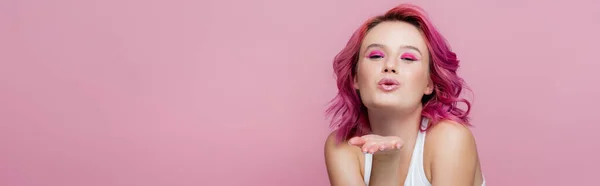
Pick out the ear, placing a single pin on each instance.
(430, 87)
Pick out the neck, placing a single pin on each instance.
(403, 125)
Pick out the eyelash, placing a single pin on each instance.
(408, 59)
(375, 56)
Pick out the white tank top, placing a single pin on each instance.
(416, 174)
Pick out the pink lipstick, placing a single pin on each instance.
(388, 84)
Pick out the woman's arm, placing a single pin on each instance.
(454, 158)
(343, 165)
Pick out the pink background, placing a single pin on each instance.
(133, 92)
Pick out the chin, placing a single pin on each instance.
(383, 104)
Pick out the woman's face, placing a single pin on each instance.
(393, 67)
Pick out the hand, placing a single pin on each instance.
(372, 143)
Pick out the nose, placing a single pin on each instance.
(390, 66)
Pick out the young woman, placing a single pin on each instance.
(396, 117)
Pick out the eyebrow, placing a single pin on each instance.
(403, 46)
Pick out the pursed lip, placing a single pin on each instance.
(388, 84)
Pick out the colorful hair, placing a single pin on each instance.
(348, 114)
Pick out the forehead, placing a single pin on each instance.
(394, 34)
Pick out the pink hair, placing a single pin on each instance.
(348, 114)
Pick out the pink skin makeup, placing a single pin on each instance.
(376, 54)
(409, 56)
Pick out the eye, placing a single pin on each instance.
(375, 55)
(408, 57)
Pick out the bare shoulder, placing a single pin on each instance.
(331, 142)
(451, 155)
(342, 162)
(336, 152)
(449, 134)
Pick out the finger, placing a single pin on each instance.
(399, 145)
(396, 142)
(375, 147)
(357, 141)
(388, 146)
(369, 146)
(370, 137)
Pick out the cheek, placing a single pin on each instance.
(417, 77)
(364, 72)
